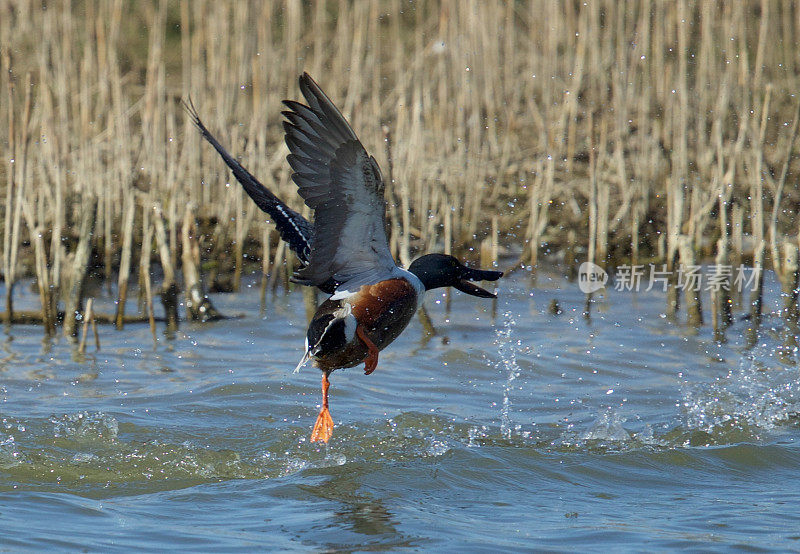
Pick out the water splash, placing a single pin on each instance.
(507, 364)
(437, 446)
(750, 397)
(10, 455)
(474, 434)
(85, 426)
(608, 428)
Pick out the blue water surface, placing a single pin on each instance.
(512, 428)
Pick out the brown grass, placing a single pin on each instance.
(492, 109)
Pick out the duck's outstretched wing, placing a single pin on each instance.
(296, 230)
(343, 185)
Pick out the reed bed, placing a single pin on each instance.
(625, 131)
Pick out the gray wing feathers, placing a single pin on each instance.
(343, 185)
(321, 105)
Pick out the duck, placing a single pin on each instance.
(345, 251)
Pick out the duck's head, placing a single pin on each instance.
(441, 270)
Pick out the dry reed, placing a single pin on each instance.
(508, 126)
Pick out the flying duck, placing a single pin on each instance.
(344, 252)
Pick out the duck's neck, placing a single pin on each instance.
(414, 279)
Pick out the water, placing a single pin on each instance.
(511, 429)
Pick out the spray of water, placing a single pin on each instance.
(750, 395)
(507, 364)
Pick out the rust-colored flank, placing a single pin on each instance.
(371, 300)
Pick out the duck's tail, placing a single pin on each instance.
(304, 360)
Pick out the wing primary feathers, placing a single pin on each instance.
(342, 183)
(293, 227)
(319, 102)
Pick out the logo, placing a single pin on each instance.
(591, 277)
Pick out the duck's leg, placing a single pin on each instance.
(323, 428)
(371, 361)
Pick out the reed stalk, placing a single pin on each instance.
(686, 253)
(721, 303)
(773, 225)
(169, 285)
(11, 222)
(790, 290)
(277, 266)
(265, 265)
(129, 210)
(756, 297)
(73, 302)
(592, 246)
(88, 321)
(198, 305)
(144, 268)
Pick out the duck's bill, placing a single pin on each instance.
(464, 284)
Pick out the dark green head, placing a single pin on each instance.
(441, 270)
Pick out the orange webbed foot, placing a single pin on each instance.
(371, 361)
(323, 428)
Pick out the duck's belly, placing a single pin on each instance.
(383, 310)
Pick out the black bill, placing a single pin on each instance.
(467, 275)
